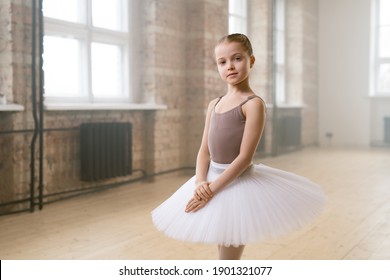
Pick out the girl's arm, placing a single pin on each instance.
(203, 158)
(254, 110)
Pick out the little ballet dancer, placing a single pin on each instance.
(230, 201)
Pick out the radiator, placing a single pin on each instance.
(290, 131)
(105, 150)
(387, 129)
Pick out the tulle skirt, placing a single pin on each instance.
(262, 203)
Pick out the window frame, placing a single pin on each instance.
(376, 60)
(241, 17)
(87, 34)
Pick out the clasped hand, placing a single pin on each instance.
(202, 195)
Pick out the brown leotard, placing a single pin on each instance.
(226, 132)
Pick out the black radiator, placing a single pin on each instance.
(105, 150)
(290, 131)
(387, 129)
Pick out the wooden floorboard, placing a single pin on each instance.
(116, 223)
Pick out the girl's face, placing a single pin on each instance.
(233, 62)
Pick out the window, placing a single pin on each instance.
(86, 51)
(381, 49)
(279, 33)
(238, 16)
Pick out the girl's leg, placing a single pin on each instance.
(231, 252)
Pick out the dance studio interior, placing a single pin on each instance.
(103, 105)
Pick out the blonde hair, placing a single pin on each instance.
(238, 38)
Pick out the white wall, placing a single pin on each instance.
(344, 44)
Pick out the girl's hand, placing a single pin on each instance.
(194, 205)
(203, 191)
(201, 196)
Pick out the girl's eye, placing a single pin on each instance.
(238, 58)
(221, 62)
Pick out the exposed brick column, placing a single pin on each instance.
(302, 78)
(261, 36)
(207, 22)
(15, 83)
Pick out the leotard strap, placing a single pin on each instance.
(249, 98)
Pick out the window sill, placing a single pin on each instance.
(11, 108)
(103, 107)
(385, 96)
(287, 106)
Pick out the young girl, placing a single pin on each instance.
(230, 201)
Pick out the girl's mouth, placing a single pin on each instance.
(231, 74)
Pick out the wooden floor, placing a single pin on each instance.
(116, 224)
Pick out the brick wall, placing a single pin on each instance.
(310, 72)
(164, 78)
(207, 22)
(260, 33)
(302, 84)
(15, 83)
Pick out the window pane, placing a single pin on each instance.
(279, 47)
(237, 25)
(237, 7)
(384, 12)
(280, 15)
(384, 41)
(69, 10)
(384, 78)
(106, 70)
(108, 16)
(280, 85)
(61, 66)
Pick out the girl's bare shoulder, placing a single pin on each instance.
(255, 104)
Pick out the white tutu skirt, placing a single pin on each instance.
(262, 203)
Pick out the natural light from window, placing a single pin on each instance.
(106, 58)
(108, 16)
(86, 47)
(69, 10)
(382, 48)
(62, 72)
(238, 16)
